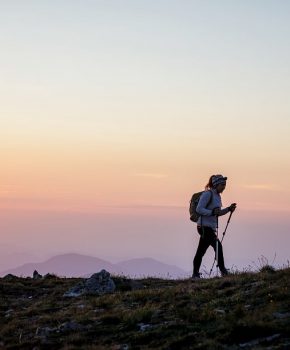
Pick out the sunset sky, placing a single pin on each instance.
(114, 112)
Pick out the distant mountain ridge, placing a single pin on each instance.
(77, 265)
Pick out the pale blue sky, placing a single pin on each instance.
(223, 52)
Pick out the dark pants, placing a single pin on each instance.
(207, 238)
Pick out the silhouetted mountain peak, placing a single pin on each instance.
(78, 265)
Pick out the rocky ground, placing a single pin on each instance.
(241, 311)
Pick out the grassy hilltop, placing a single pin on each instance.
(242, 311)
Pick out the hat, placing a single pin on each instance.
(218, 179)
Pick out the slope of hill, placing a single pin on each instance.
(242, 311)
(77, 265)
(144, 267)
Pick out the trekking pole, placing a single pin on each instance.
(227, 225)
(217, 245)
(216, 253)
(216, 249)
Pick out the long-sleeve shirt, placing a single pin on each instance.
(205, 207)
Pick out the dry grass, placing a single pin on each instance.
(244, 310)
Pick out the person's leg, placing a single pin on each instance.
(201, 249)
(214, 243)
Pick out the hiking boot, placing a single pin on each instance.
(196, 276)
(225, 272)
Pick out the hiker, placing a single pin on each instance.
(209, 209)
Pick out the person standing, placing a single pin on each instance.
(210, 208)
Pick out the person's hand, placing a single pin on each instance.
(216, 211)
(232, 207)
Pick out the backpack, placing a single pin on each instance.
(193, 204)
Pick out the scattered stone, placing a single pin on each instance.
(10, 277)
(220, 311)
(75, 291)
(71, 326)
(99, 310)
(124, 347)
(272, 337)
(259, 341)
(256, 284)
(43, 332)
(9, 313)
(121, 347)
(144, 327)
(250, 343)
(44, 335)
(36, 275)
(281, 315)
(98, 284)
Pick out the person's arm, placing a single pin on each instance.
(203, 203)
(220, 212)
(223, 211)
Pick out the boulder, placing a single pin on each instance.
(98, 284)
(10, 277)
(36, 275)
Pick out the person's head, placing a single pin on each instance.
(217, 182)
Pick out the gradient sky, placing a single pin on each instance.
(114, 112)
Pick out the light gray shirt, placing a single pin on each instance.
(205, 206)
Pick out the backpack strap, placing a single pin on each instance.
(208, 203)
